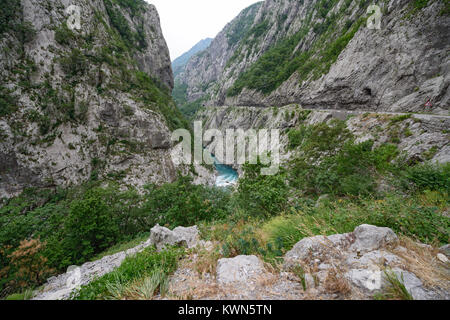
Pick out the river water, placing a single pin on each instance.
(227, 176)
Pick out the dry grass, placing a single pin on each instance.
(423, 263)
(266, 279)
(336, 283)
(196, 289)
(206, 261)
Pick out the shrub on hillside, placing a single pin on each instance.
(261, 195)
(413, 217)
(90, 227)
(426, 176)
(27, 266)
(183, 204)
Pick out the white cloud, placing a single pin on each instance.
(186, 22)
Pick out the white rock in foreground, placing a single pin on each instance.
(370, 238)
(181, 236)
(240, 269)
(365, 238)
(442, 258)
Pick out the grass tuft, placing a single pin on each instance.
(396, 289)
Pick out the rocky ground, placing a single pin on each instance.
(345, 266)
(365, 264)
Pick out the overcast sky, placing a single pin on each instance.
(186, 22)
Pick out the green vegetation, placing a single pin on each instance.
(242, 26)
(419, 217)
(64, 36)
(91, 226)
(188, 109)
(420, 4)
(11, 20)
(156, 96)
(278, 63)
(333, 163)
(9, 15)
(260, 195)
(26, 295)
(139, 277)
(68, 227)
(8, 103)
(426, 176)
(399, 118)
(75, 64)
(270, 214)
(416, 5)
(179, 93)
(135, 6)
(446, 9)
(119, 22)
(118, 53)
(271, 69)
(183, 204)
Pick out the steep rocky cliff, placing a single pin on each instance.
(88, 103)
(179, 63)
(321, 54)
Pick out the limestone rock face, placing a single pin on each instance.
(79, 100)
(155, 59)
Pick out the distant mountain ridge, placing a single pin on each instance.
(179, 63)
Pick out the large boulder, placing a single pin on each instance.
(180, 236)
(241, 269)
(364, 239)
(370, 238)
(318, 249)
